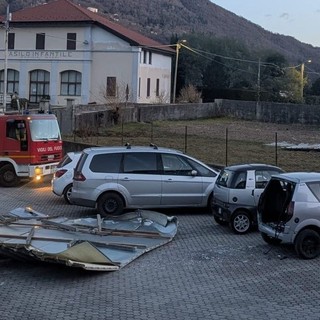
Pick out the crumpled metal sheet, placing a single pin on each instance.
(98, 244)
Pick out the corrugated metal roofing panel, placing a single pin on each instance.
(88, 243)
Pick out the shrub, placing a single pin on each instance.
(189, 94)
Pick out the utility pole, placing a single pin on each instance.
(258, 82)
(5, 76)
(302, 78)
(178, 46)
(301, 81)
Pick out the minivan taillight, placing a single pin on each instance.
(78, 176)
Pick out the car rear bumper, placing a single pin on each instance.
(56, 193)
(275, 233)
(221, 213)
(56, 187)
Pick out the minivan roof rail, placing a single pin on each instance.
(153, 146)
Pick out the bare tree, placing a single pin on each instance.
(162, 98)
(117, 99)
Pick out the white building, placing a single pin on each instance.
(61, 50)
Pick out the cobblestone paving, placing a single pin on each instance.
(206, 272)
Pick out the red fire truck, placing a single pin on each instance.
(30, 146)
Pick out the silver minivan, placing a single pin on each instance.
(112, 179)
(289, 212)
(237, 192)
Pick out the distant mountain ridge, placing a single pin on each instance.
(160, 19)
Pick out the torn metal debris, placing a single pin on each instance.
(89, 243)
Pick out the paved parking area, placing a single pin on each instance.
(206, 272)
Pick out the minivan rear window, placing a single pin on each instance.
(106, 163)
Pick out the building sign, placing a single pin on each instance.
(26, 54)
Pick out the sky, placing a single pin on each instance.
(297, 18)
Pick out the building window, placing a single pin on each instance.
(71, 41)
(139, 88)
(11, 37)
(144, 56)
(150, 57)
(111, 86)
(12, 81)
(39, 85)
(71, 83)
(40, 41)
(158, 88)
(148, 87)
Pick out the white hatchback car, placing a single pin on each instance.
(62, 181)
(289, 212)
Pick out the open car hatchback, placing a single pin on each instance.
(289, 212)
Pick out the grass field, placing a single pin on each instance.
(219, 141)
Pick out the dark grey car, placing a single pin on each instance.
(236, 194)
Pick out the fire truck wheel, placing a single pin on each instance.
(8, 177)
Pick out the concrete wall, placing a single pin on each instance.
(90, 117)
(69, 146)
(270, 111)
(188, 111)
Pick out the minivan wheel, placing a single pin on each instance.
(240, 222)
(270, 240)
(110, 204)
(307, 244)
(67, 193)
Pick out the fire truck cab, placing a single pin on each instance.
(30, 147)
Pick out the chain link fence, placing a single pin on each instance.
(219, 141)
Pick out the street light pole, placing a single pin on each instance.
(301, 81)
(178, 46)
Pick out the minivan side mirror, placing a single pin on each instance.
(194, 173)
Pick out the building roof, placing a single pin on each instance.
(65, 11)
